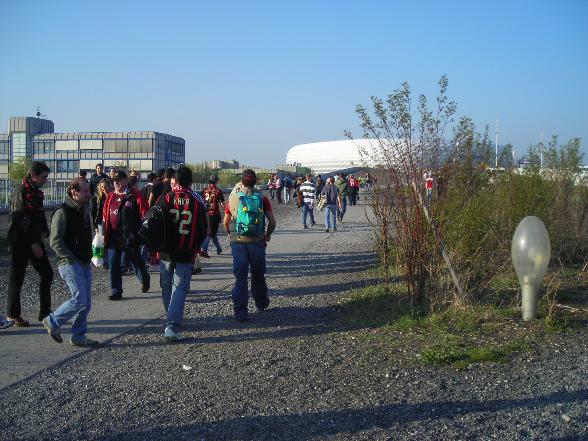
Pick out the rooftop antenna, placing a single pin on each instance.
(496, 145)
(39, 115)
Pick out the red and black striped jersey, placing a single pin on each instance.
(188, 225)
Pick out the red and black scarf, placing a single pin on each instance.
(32, 196)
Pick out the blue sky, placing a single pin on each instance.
(248, 80)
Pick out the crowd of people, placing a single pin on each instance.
(113, 208)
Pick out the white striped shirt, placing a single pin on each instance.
(307, 189)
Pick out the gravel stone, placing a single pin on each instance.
(293, 372)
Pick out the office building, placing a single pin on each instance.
(67, 153)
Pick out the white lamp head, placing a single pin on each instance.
(530, 251)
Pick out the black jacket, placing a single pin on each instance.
(26, 223)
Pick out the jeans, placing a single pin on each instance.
(114, 258)
(306, 210)
(341, 211)
(287, 195)
(331, 212)
(175, 283)
(78, 277)
(18, 267)
(213, 222)
(248, 256)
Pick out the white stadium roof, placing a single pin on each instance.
(329, 156)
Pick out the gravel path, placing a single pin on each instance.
(295, 372)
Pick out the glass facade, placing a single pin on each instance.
(21, 146)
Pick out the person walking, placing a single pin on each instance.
(103, 190)
(122, 214)
(214, 200)
(27, 228)
(71, 239)
(308, 199)
(353, 190)
(288, 184)
(319, 185)
(96, 177)
(333, 203)
(342, 188)
(278, 187)
(189, 226)
(162, 187)
(249, 239)
(271, 187)
(97, 209)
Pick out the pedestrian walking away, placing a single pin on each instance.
(71, 239)
(214, 200)
(307, 190)
(288, 185)
(342, 188)
(353, 190)
(278, 187)
(188, 227)
(249, 209)
(27, 229)
(333, 203)
(122, 214)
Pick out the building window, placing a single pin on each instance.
(66, 166)
(66, 144)
(90, 144)
(43, 147)
(4, 147)
(140, 145)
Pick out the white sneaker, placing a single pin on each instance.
(171, 335)
(5, 323)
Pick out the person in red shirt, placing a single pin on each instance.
(248, 250)
(123, 211)
(213, 198)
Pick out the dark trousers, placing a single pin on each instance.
(114, 267)
(279, 194)
(18, 267)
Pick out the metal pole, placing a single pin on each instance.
(496, 145)
(529, 302)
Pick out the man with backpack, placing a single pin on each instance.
(71, 239)
(213, 198)
(123, 212)
(249, 209)
(187, 229)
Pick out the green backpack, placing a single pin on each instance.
(250, 217)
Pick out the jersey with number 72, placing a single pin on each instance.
(188, 224)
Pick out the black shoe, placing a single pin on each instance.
(84, 342)
(306, 227)
(263, 306)
(196, 271)
(145, 286)
(313, 224)
(115, 298)
(334, 228)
